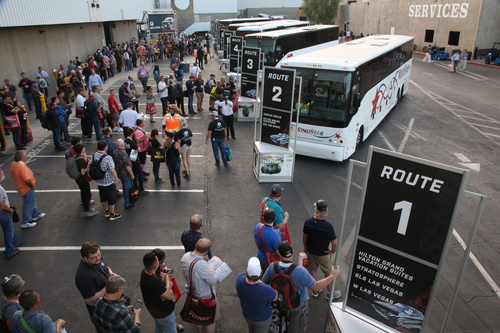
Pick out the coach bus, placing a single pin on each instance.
(275, 44)
(347, 90)
(227, 22)
(269, 26)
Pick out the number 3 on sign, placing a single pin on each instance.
(276, 97)
(405, 207)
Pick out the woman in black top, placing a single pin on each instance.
(172, 156)
(183, 138)
(155, 144)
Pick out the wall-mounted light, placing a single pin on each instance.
(41, 31)
(82, 27)
(97, 5)
(100, 25)
(93, 5)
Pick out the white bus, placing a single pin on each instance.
(251, 28)
(347, 90)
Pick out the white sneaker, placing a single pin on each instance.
(115, 129)
(40, 216)
(28, 225)
(120, 129)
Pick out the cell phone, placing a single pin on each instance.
(137, 304)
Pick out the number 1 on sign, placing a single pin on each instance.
(405, 207)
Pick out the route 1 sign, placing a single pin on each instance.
(406, 222)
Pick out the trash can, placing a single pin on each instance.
(184, 66)
(224, 67)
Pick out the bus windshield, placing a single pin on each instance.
(266, 47)
(325, 97)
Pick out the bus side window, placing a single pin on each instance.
(356, 99)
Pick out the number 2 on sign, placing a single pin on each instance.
(405, 207)
(276, 97)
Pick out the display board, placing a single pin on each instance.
(225, 42)
(162, 23)
(277, 101)
(405, 225)
(249, 71)
(235, 47)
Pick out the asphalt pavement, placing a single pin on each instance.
(453, 113)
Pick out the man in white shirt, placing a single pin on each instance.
(227, 115)
(129, 116)
(43, 82)
(163, 89)
(80, 104)
(195, 71)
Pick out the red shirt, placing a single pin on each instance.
(112, 102)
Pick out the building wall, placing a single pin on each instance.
(289, 12)
(488, 29)
(415, 17)
(25, 48)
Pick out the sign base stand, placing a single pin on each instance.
(272, 164)
(339, 321)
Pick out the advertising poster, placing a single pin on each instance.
(249, 71)
(275, 127)
(406, 220)
(162, 23)
(275, 164)
(225, 44)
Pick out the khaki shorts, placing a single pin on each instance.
(115, 116)
(323, 262)
(185, 148)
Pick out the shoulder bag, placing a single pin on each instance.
(195, 310)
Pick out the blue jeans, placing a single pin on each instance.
(9, 236)
(128, 65)
(175, 170)
(190, 103)
(166, 324)
(97, 128)
(127, 185)
(139, 175)
(156, 170)
(30, 209)
(219, 145)
(29, 100)
(56, 135)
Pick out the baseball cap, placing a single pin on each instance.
(276, 189)
(91, 94)
(253, 268)
(269, 214)
(214, 113)
(285, 250)
(321, 205)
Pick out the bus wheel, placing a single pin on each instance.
(359, 138)
(402, 91)
(398, 96)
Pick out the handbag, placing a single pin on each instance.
(11, 122)
(133, 155)
(186, 94)
(271, 257)
(195, 310)
(15, 216)
(157, 155)
(175, 289)
(134, 193)
(229, 152)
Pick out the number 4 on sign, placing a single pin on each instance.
(405, 207)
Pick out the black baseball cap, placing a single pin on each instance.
(321, 205)
(269, 214)
(276, 189)
(285, 250)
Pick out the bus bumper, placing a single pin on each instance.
(316, 150)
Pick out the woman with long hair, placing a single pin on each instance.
(150, 104)
(183, 138)
(155, 144)
(134, 97)
(172, 157)
(156, 76)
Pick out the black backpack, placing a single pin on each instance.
(87, 113)
(174, 92)
(207, 88)
(288, 296)
(44, 121)
(95, 171)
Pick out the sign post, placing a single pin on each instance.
(274, 158)
(247, 109)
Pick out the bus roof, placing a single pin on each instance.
(278, 24)
(347, 56)
(242, 20)
(291, 31)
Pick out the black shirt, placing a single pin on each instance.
(152, 288)
(217, 127)
(199, 85)
(129, 145)
(26, 85)
(185, 136)
(90, 279)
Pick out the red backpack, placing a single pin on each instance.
(288, 296)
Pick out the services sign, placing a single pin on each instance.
(406, 221)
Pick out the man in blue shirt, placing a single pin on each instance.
(267, 239)
(297, 317)
(255, 297)
(273, 201)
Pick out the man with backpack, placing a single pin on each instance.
(102, 169)
(285, 275)
(76, 167)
